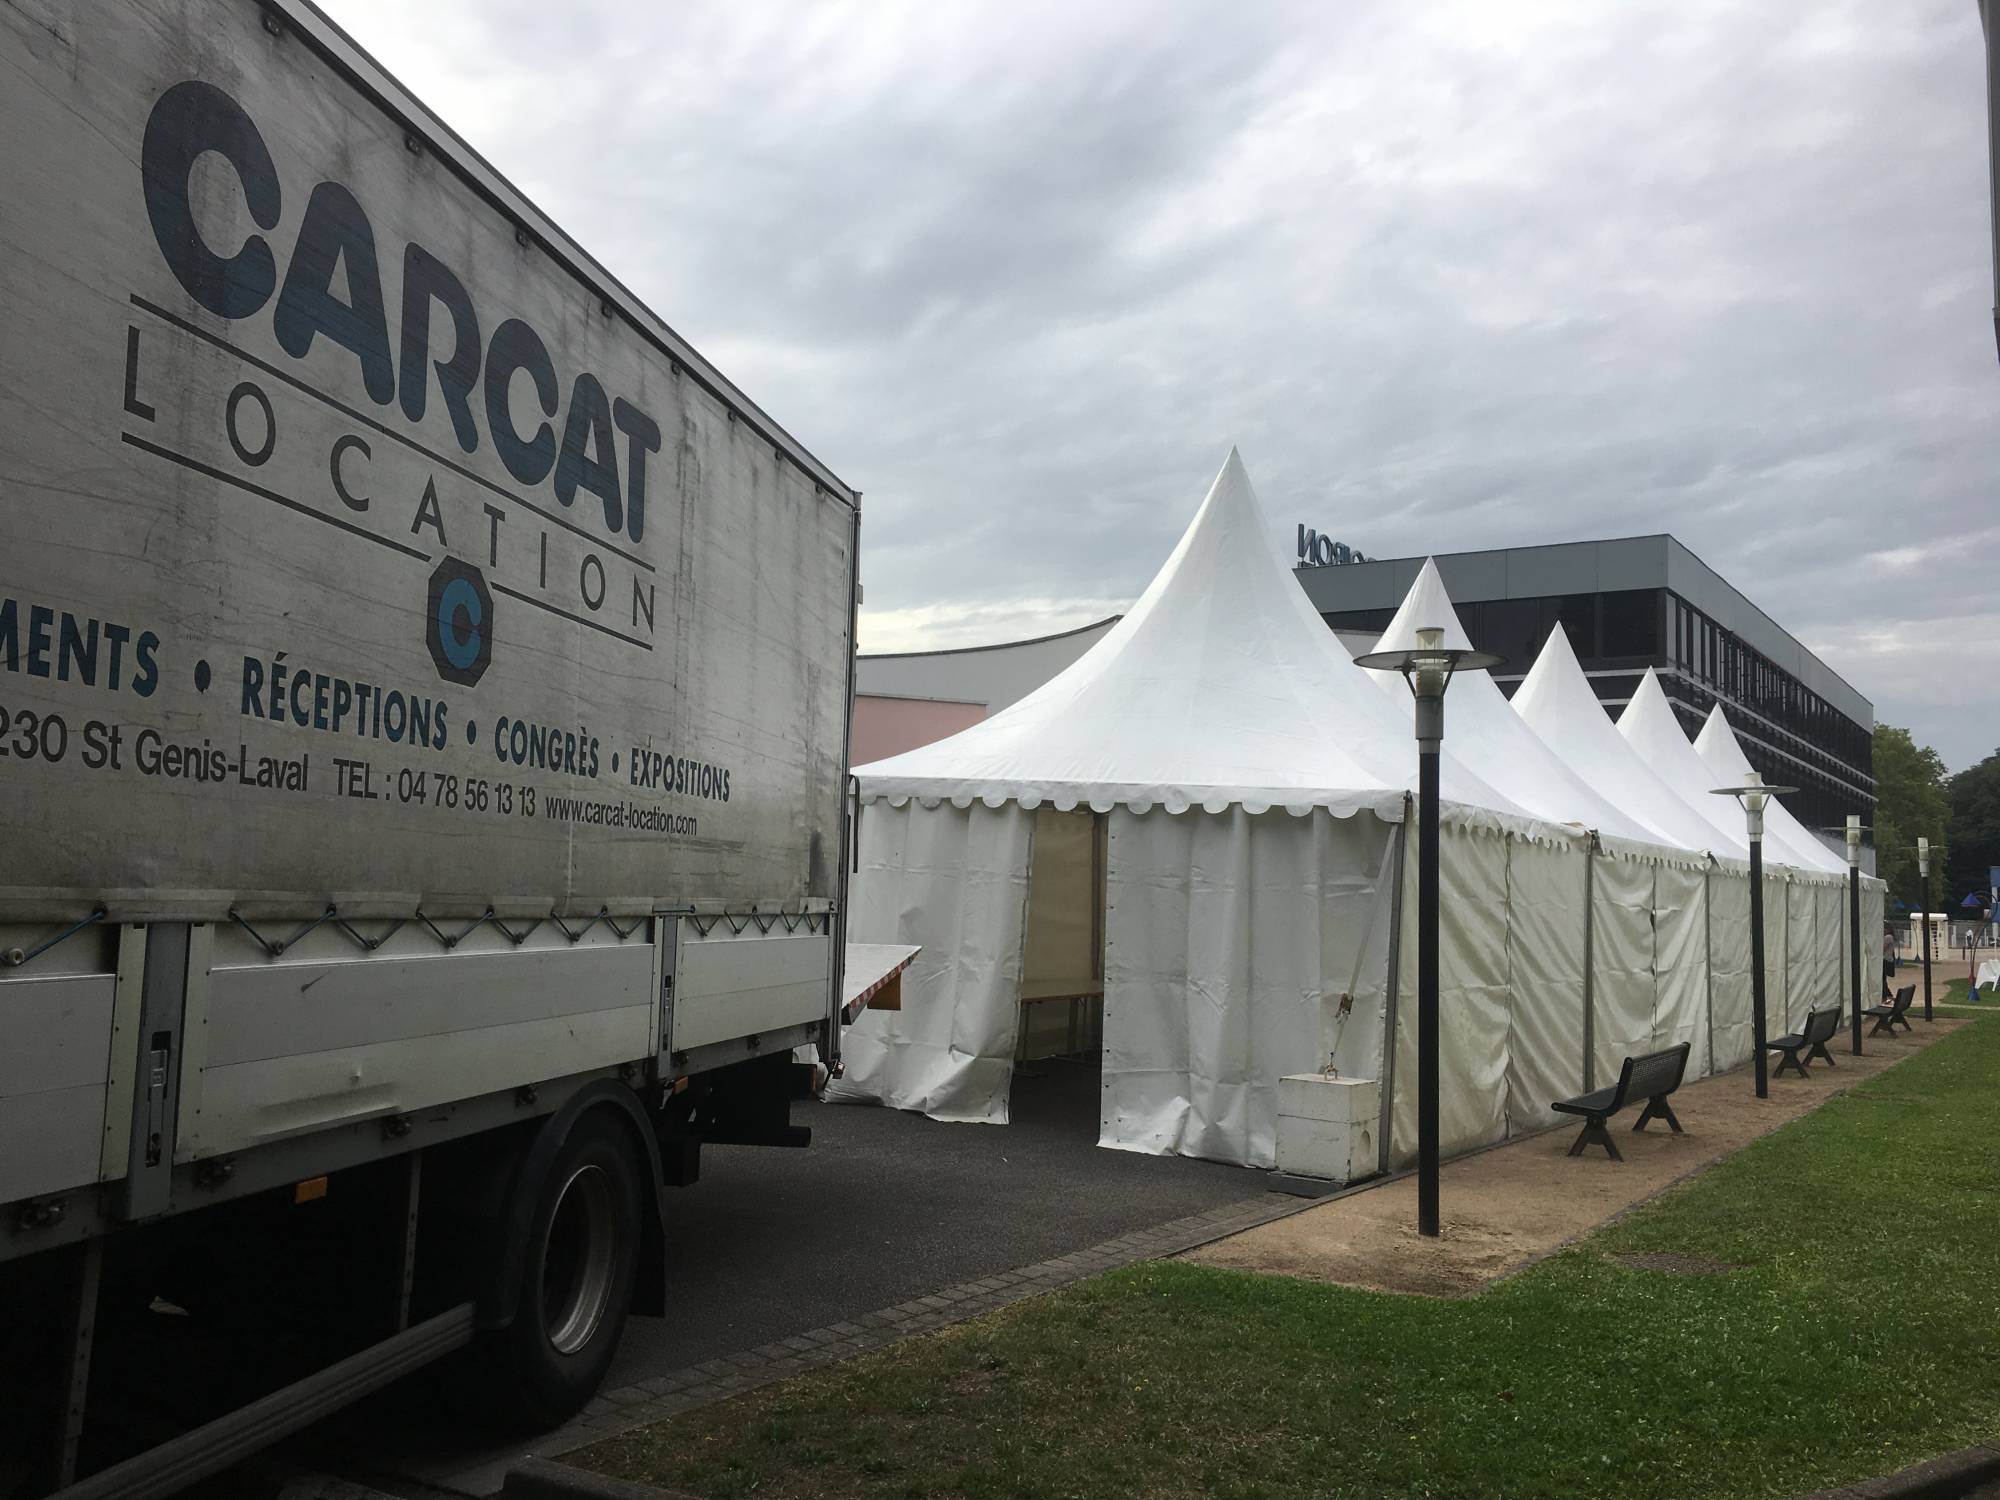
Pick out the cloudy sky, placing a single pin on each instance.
(1451, 274)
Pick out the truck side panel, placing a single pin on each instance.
(359, 553)
(295, 1045)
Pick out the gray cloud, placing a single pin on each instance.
(1452, 274)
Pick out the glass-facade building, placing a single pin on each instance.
(1635, 603)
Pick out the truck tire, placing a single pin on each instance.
(577, 1278)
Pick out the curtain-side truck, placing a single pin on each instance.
(424, 690)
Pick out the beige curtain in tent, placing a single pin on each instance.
(1624, 989)
(1545, 941)
(955, 881)
(1474, 996)
(1063, 939)
(1680, 963)
(1227, 938)
(1729, 965)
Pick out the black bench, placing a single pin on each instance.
(1810, 1039)
(1651, 1077)
(1895, 1013)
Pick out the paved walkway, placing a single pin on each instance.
(1506, 1207)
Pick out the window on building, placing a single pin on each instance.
(1631, 624)
(1512, 628)
(1577, 614)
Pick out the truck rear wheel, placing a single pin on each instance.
(577, 1278)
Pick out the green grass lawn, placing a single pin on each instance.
(1857, 1332)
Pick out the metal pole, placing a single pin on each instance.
(1854, 946)
(1427, 988)
(1757, 964)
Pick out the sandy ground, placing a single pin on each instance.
(1508, 1206)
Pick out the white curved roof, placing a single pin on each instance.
(1790, 841)
(1220, 686)
(1556, 701)
(1485, 732)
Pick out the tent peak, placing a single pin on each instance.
(1426, 606)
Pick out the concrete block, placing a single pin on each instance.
(1327, 1126)
(1338, 1101)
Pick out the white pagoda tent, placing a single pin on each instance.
(1195, 820)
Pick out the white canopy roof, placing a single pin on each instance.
(1220, 686)
(1789, 840)
(1649, 727)
(1557, 702)
(1488, 735)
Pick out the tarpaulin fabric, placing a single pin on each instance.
(1220, 687)
(1485, 732)
(1227, 936)
(1624, 990)
(1787, 840)
(1650, 727)
(955, 882)
(1680, 964)
(1729, 966)
(1830, 946)
(1777, 954)
(1557, 701)
(1874, 898)
(1545, 942)
(1474, 997)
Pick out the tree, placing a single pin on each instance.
(1975, 829)
(1910, 803)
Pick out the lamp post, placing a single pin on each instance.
(1428, 670)
(1924, 918)
(1752, 795)
(1854, 919)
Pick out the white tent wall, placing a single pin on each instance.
(1545, 957)
(1874, 903)
(1830, 946)
(1777, 953)
(955, 881)
(1475, 995)
(1680, 963)
(1624, 992)
(1227, 935)
(1063, 947)
(1729, 965)
(1801, 952)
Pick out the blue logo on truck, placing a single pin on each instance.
(460, 629)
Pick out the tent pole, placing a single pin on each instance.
(1708, 949)
(1589, 963)
(1388, 1105)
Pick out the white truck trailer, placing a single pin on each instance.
(424, 690)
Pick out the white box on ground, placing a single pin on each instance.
(1327, 1126)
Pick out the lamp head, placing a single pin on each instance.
(1430, 669)
(1854, 840)
(1923, 856)
(1752, 796)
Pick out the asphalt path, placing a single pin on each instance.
(886, 1205)
(883, 1206)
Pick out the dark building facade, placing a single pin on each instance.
(1641, 602)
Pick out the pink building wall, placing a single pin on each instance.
(888, 726)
